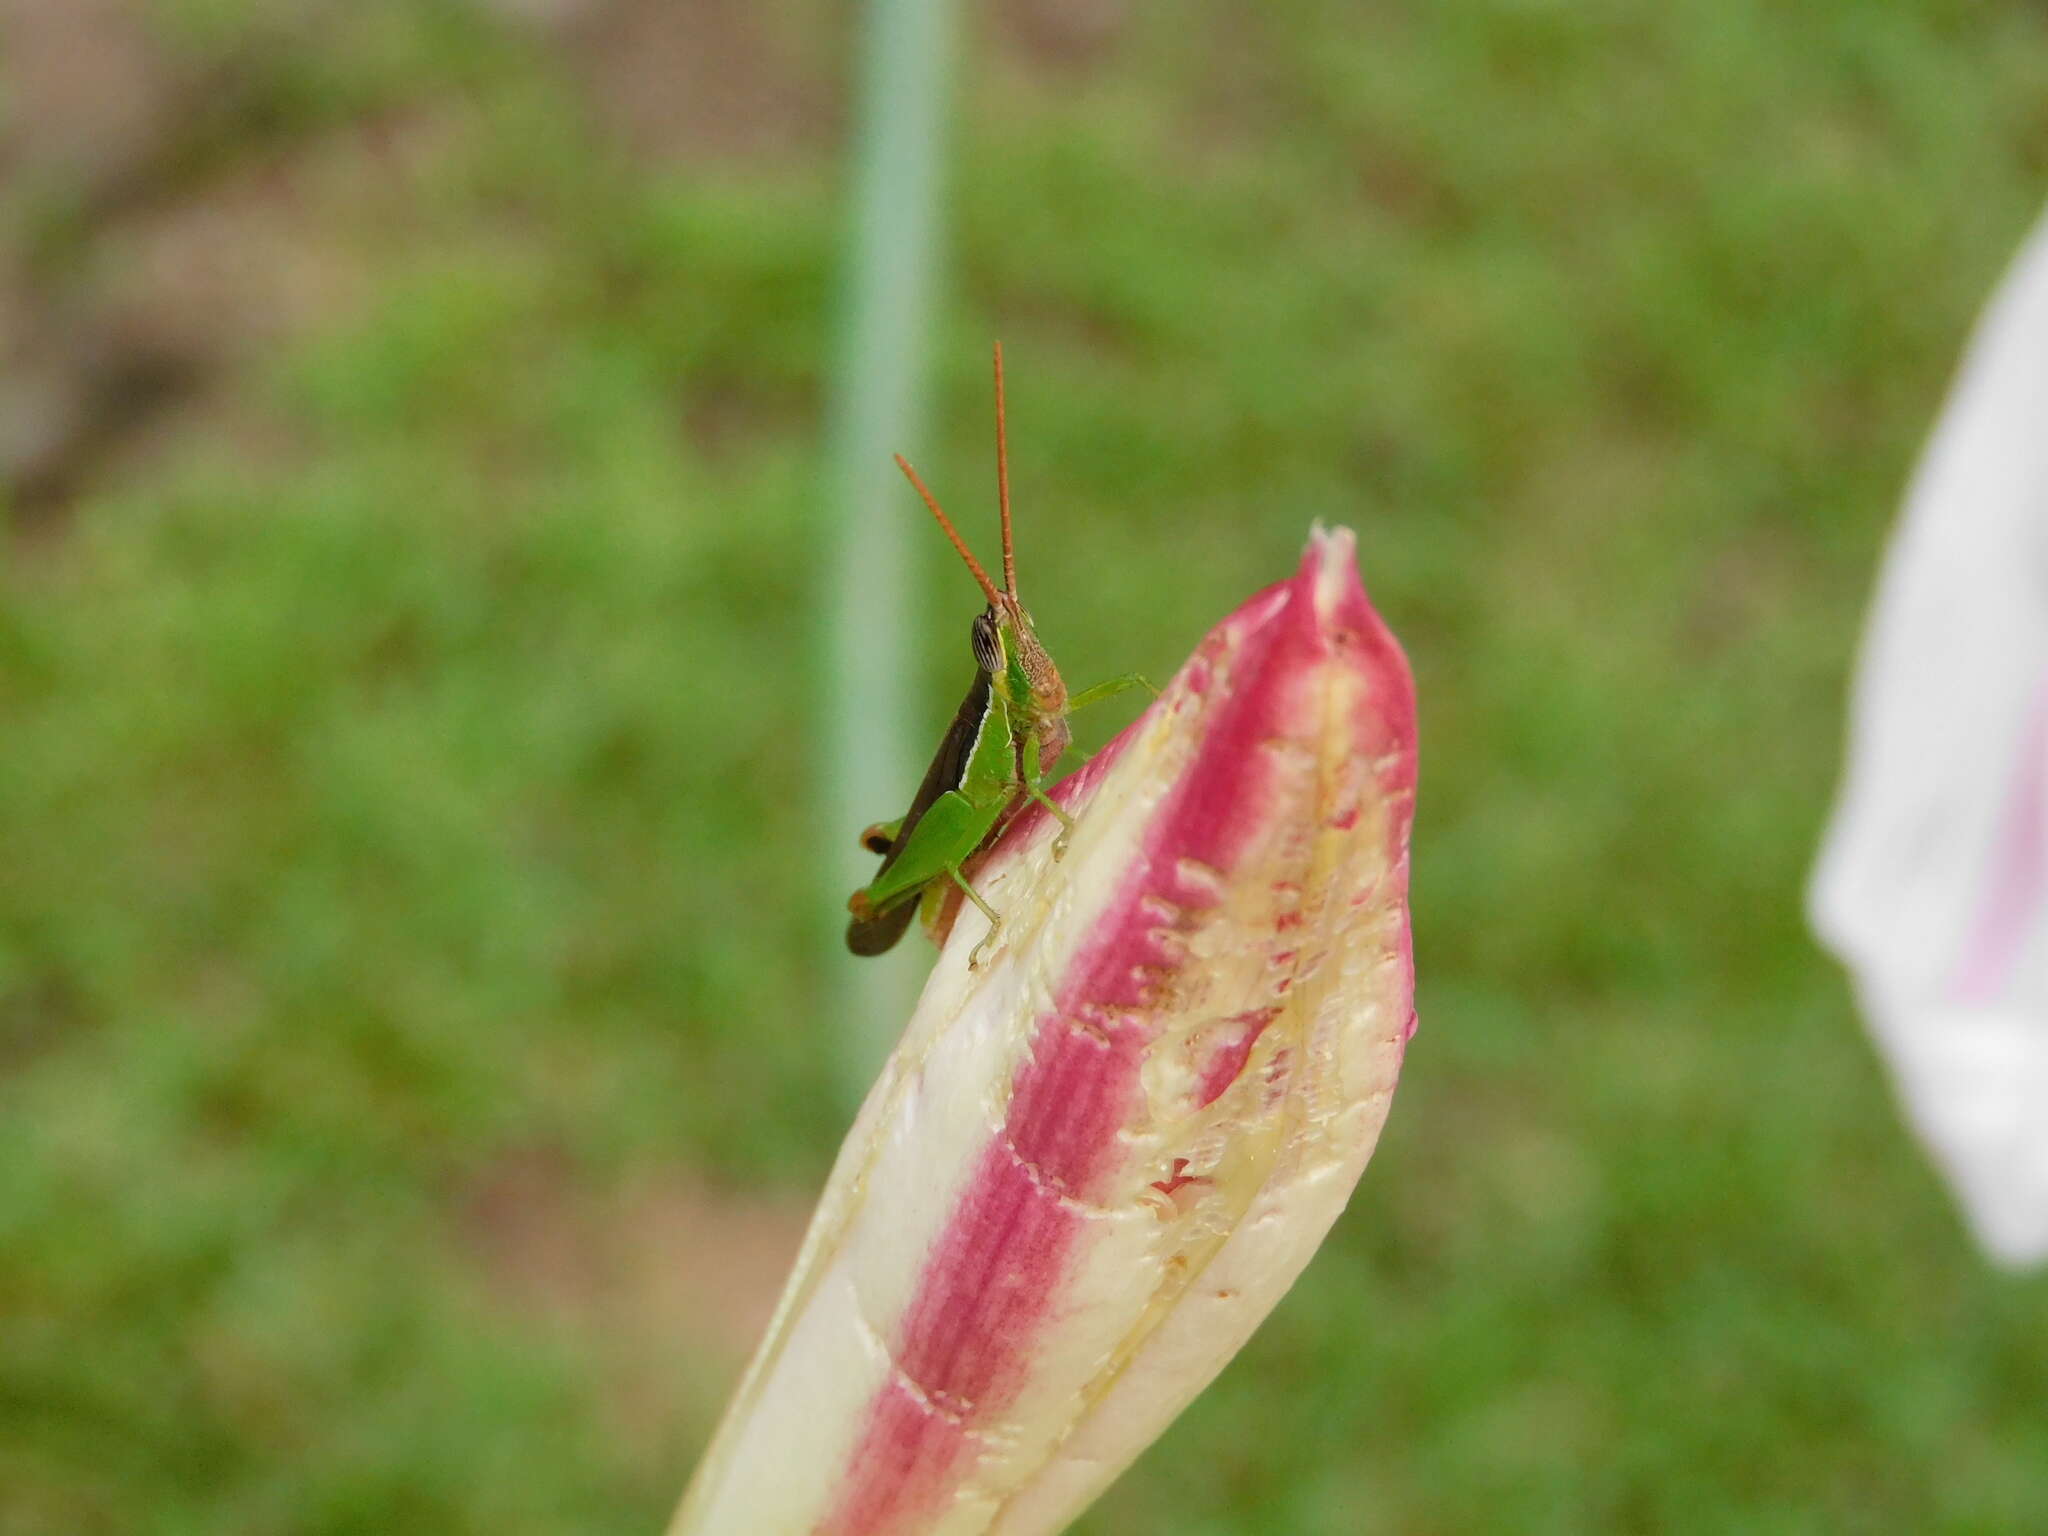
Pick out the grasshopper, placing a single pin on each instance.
(1009, 732)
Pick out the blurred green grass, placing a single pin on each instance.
(404, 770)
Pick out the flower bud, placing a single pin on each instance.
(1097, 1159)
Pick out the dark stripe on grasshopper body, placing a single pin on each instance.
(878, 933)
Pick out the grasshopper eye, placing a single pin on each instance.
(987, 643)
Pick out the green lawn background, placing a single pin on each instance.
(408, 926)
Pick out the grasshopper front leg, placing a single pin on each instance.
(1059, 844)
(1109, 689)
(995, 921)
(1031, 779)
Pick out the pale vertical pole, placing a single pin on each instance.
(870, 557)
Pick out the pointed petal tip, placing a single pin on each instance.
(1329, 571)
(1338, 544)
(1348, 623)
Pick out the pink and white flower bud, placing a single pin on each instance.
(1097, 1160)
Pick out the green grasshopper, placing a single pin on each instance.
(1009, 732)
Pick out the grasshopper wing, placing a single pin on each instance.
(878, 923)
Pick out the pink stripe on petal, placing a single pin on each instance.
(2019, 870)
(967, 1339)
(1230, 1053)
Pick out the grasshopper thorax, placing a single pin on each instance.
(1036, 692)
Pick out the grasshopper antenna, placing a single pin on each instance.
(1003, 482)
(980, 576)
